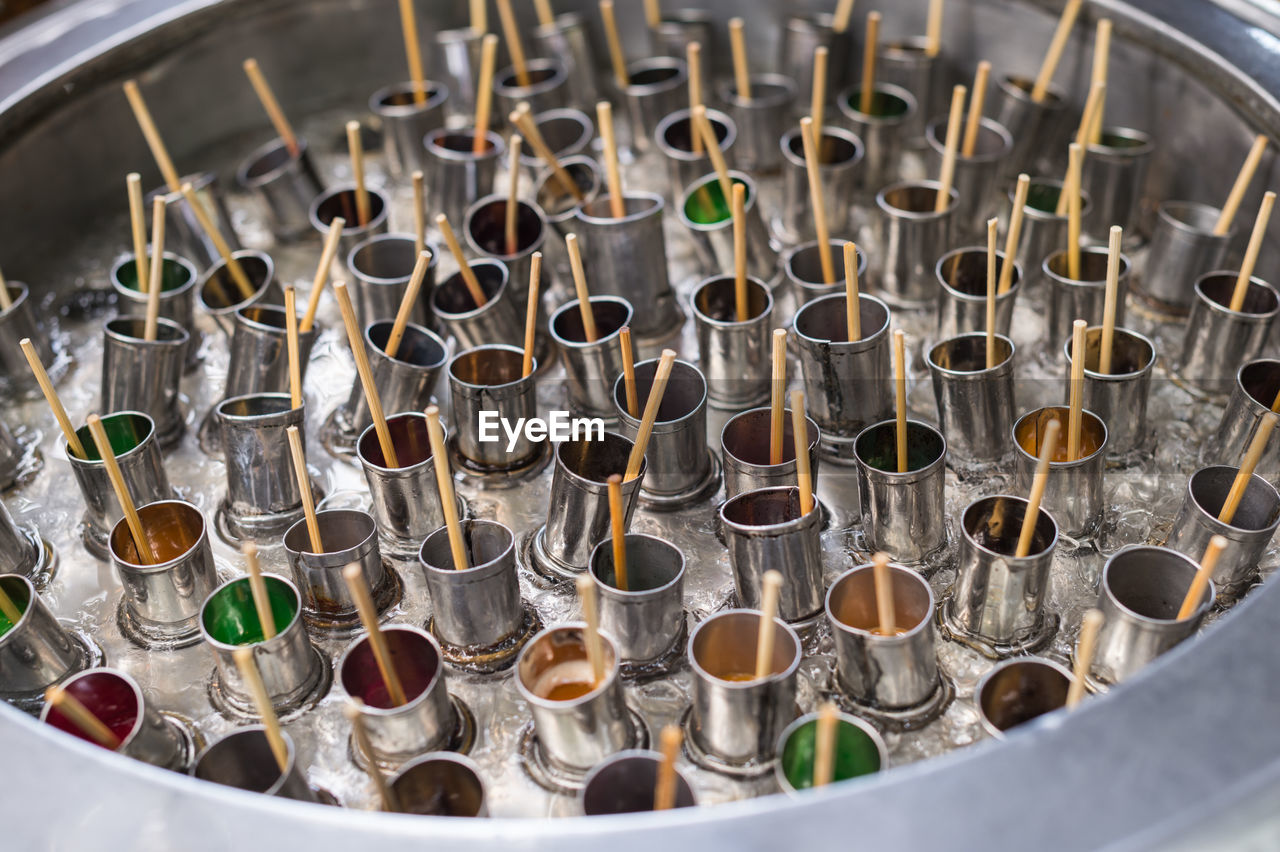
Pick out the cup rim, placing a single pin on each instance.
(1117, 377)
(714, 116)
(504, 282)
(960, 296)
(893, 475)
(573, 304)
(106, 671)
(865, 342)
(158, 567)
(1001, 132)
(903, 638)
(558, 77)
(980, 687)
(436, 94)
(623, 756)
(881, 88)
(656, 204)
(496, 198)
(628, 594)
(916, 215)
(243, 178)
(283, 633)
(193, 276)
(268, 279)
(985, 372)
(151, 433)
(488, 564)
(805, 719)
(352, 229)
(373, 239)
(1245, 316)
(436, 681)
(1046, 268)
(774, 677)
(735, 176)
(781, 467)
(244, 731)
(1167, 215)
(794, 525)
(859, 150)
(611, 675)
(1104, 588)
(1066, 465)
(529, 379)
(982, 548)
(728, 91)
(675, 64)
(284, 414)
(497, 145)
(704, 319)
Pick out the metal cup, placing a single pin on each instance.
(1257, 385)
(912, 234)
(767, 530)
(804, 34)
(646, 619)
(1183, 248)
(978, 178)
(1218, 338)
(736, 719)
(406, 499)
(221, 299)
(1073, 495)
(547, 88)
(591, 721)
(185, 235)
(1043, 230)
(678, 28)
(625, 783)
(161, 603)
(143, 375)
(440, 783)
(426, 721)
(348, 537)
(906, 63)
(177, 289)
(244, 759)
(566, 38)
(744, 447)
(903, 514)
(883, 131)
(1085, 298)
(706, 213)
(404, 382)
(1039, 130)
(458, 177)
(1115, 174)
(19, 321)
(734, 353)
(962, 276)
(975, 402)
(1141, 592)
(674, 136)
(38, 651)
(626, 257)
(656, 90)
(260, 352)
(1248, 535)
(858, 750)
(286, 182)
(479, 607)
(484, 228)
(456, 60)
(1119, 397)
(406, 122)
(486, 388)
(888, 672)
(568, 133)
(496, 321)
(340, 201)
(847, 384)
(381, 267)
(1018, 690)
(999, 597)
(560, 209)
(290, 667)
(591, 367)
(761, 121)
(839, 156)
(21, 548)
(13, 464)
(262, 499)
(802, 268)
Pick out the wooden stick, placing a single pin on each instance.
(464, 268)
(546, 17)
(653, 14)
(800, 438)
(580, 288)
(618, 529)
(713, 151)
(6, 301)
(933, 29)
(1092, 112)
(148, 127)
(291, 344)
(262, 700)
(1256, 239)
(365, 371)
(629, 371)
(900, 392)
(943, 199)
(272, 107)
(531, 313)
(484, 94)
(355, 149)
(616, 55)
(693, 60)
(843, 13)
(219, 242)
(771, 590)
(1241, 186)
(51, 396)
(156, 282)
(869, 47)
(1250, 462)
(852, 299)
(523, 120)
(740, 299)
(1075, 417)
(1015, 232)
(659, 387)
(511, 236)
(1087, 642)
(992, 226)
(9, 609)
(664, 788)
(778, 394)
(419, 212)
(407, 302)
(1048, 447)
(1060, 209)
(479, 16)
(82, 717)
(304, 488)
(886, 611)
(138, 228)
(412, 52)
(1116, 235)
(1054, 54)
(817, 200)
(444, 483)
(511, 32)
(974, 123)
(146, 554)
(591, 615)
(1076, 158)
(322, 272)
(359, 590)
(818, 97)
(1101, 69)
(1191, 602)
(617, 201)
(824, 747)
(741, 67)
(352, 711)
(258, 588)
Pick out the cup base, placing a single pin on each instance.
(753, 768)
(190, 742)
(42, 571)
(897, 720)
(406, 549)
(1028, 641)
(243, 711)
(347, 624)
(1149, 307)
(493, 658)
(1202, 394)
(90, 656)
(531, 552)
(157, 637)
(698, 492)
(461, 739)
(497, 479)
(556, 777)
(666, 663)
(339, 436)
(266, 531)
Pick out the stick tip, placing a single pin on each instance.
(433, 412)
(615, 479)
(352, 711)
(351, 573)
(243, 656)
(584, 584)
(1091, 621)
(671, 738)
(881, 559)
(249, 549)
(772, 579)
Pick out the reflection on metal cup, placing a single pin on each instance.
(1073, 495)
(734, 353)
(380, 268)
(1183, 248)
(975, 402)
(1218, 338)
(903, 514)
(143, 375)
(912, 235)
(286, 182)
(458, 177)
(591, 367)
(765, 530)
(348, 537)
(1119, 397)
(744, 448)
(1083, 298)
(37, 651)
(486, 386)
(262, 499)
(647, 617)
(479, 607)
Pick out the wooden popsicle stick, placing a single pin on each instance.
(146, 553)
(355, 150)
(419, 212)
(6, 301)
(933, 29)
(137, 228)
(653, 13)
(616, 55)
(219, 242)
(359, 590)
(270, 721)
(1116, 235)
(1086, 644)
(1200, 582)
(484, 94)
(511, 237)
(886, 611)
(1076, 157)
(659, 387)
(943, 198)
(693, 60)
(1241, 185)
(852, 299)
(361, 733)
(407, 302)
(973, 124)
(1075, 417)
(740, 301)
(412, 51)
(818, 96)
(900, 396)
(713, 151)
(741, 67)
(1256, 239)
(322, 272)
(9, 609)
(840, 19)
(629, 371)
(1060, 208)
(1015, 232)
(479, 16)
(546, 17)
(824, 747)
(766, 634)
(82, 717)
(148, 127)
(1101, 70)
(591, 636)
(444, 483)
(869, 47)
(1051, 58)
(523, 120)
(291, 344)
(800, 438)
(1048, 447)
(664, 788)
(156, 271)
(585, 310)
(613, 177)
(618, 530)
(51, 396)
(304, 488)
(531, 313)
(1250, 462)
(258, 588)
(365, 371)
(464, 268)
(511, 32)
(777, 394)
(271, 106)
(1092, 112)
(992, 225)
(817, 199)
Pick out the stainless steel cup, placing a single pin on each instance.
(645, 619)
(744, 448)
(706, 213)
(912, 236)
(458, 177)
(767, 530)
(1114, 175)
(441, 783)
(678, 28)
(962, 307)
(38, 651)
(404, 382)
(21, 548)
(456, 62)
(484, 228)
(568, 133)
(656, 89)
(184, 233)
(859, 750)
(1217, 338)
(380, 268)
(177, 289)
(340, 201)
(1043, 230)
(221, 299)
(406, 122)
(143, 375)
(560, 209)
(1073, 495)
(906, 63)
(19, 321)
(547, 87)
(1017, 691)
(406, 499)
(1256, 388)
(479, 607)
(761, 121)
(13, 464)
(839, 156)
(243, 759)
(975, 402)
(1119, 397)
(259, 361)
(348, 537)
(802, 269)
(567, 39)
(1070, 300)
(674, 137)
(978, 178)
(496, 321)
(884, 131)
(903, 514)
(625, 783)
(262, 498)
(590, 368)
(803, 34)
(486, 388)
(285, 182)
(1039, 130)
(735, 354)
(1183, 248)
